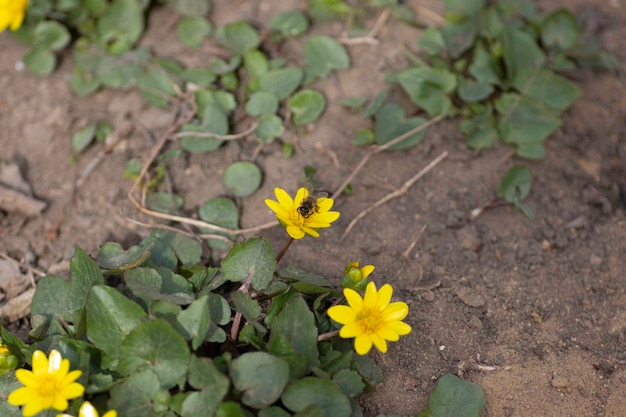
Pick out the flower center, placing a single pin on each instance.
(370, 320)
(47, 386)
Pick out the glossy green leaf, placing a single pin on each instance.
(151, 284)
(213, 386)
(110, 317)
(199, 76)
(375, 104)
(52, 301)
(242, 178)
(273, 412)
(192, 30)
(560, 30)
(155, 345)
(261, 377)
(214, 120)
(324, 54)
(485, 66)
(429, 88)
(262, 102)
(516, 177)
(282, 81)
(431, 41)
(329, 9)
(524, 120)
(252, 259)
(291, 23)
(164, 202)
(240, 37)
(315, 391)
(115, 259)
(552, 89)
(8, 384)
(471, 90)
(366, 366)
(297, 323)
(306, 106)
(520, 52)
(459, 36)
(40, 61)
(349, 381)
(195, 321)
(532, 150)
(85, 274)
(121, 25)
(244, 304)
(391, 123)
(463, 7)
(132, 397)
(270, 127)
(354, 103)
(455, 397)
(223, 212)
(83, 138)
(364, 137)
(191, 7)
(255, 62)
(50, 34)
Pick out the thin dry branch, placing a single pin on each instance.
(396, 193)
(378, 149)
(370, 38)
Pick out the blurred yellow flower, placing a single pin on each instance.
(372, 319)
(355, 277)
(49, 385)
(3, 348)
(88, 410)
(12, 14)
(304, 214)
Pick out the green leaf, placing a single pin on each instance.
(195, 321)
(429, 88)
(314, 391)
(213, 386)
(262, 102)
(255, 62)
(191, 7)
(364, 137)
(471, 90)
(329, 9)
(272, 412)
(8, 384)
(297, 323)
(164, 202)
(186, 249)
(113, 257)
(455, 397)
(255, 259)
(525, 120)
(51, 300)
(132, 397)
(520, 52)
(463, 8)
(85, 274)
(560, 30)
(240, 37)
(40, 61)
(110, 317)
(375, 104)
(242, 178)
(281, 81)
(121, 25)
(83, 138)
(261, 377)
(306, 106)
(270, 127)
(365, 366)
(52, 35)
(391, 123)
(214, 120)
(459, 36)
(246, 305)
(518, 177)
(156, 346)
(193, 30)
(431, 41)
(288, 24)
(159, 283)
(199, 76)
(354, 103)
(324, 54)
(349, 381)
(223, 212)
(485, 66)
(552, 89)
(533, 150)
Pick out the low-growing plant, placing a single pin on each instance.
(152, 331)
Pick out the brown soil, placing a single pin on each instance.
(543, 301)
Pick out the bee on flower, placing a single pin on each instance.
(371, 320)
(12, 14)
(304, 214)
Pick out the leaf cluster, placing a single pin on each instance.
(149, 328)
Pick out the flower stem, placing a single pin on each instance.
(283, 250)
(328, 335)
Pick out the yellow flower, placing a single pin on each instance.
(3, 349)
(12, 14)
(303, 215)
(355, 277)
(49, 385)
(88, 410)
(372, 319)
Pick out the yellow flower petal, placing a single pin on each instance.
(400, 327)
(301, 194)
(384, 296)
(277, 208)
(295, 232)
(284, 199)
(111, 413)
(362, 344)
(33, 408)
(310, 231)
(59, 404)
(73, 390)
(396, 311)
(342, 314)
(366, 270)
(380, 343)
(350, 330)
(25, 376)
(325, 204)
(354, 299)
(388, 333)
(371, 295)
(40, 362)
(20, 396)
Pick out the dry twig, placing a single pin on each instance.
(396, 193)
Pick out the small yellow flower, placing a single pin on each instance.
(88, 410)
(12, 14)
(49, 385)
(3, 349)
(290, 212)
(372, 319)
(355, 277)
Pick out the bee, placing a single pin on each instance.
(309, 206)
